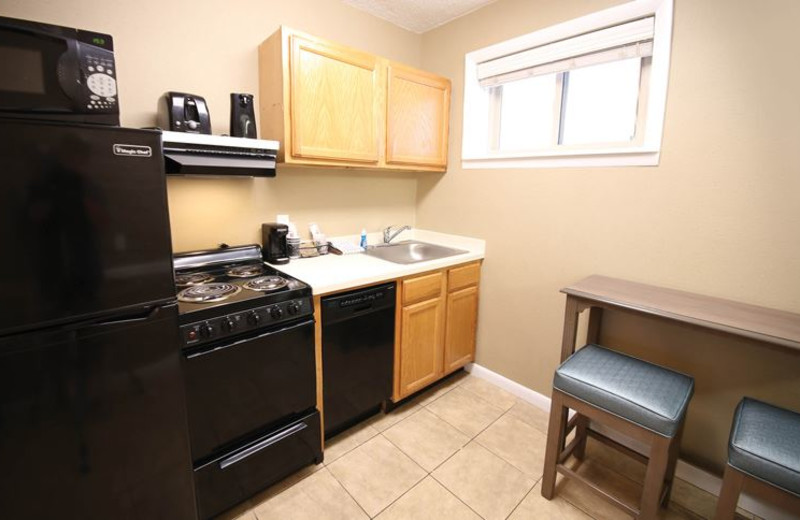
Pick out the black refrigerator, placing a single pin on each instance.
(92, 406)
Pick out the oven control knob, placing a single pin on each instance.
(228, 325)
(293, 308)
(206, 331)
(253, 318)
(276, 313)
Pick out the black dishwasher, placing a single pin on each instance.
(357, 354)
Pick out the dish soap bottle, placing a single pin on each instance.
(363, 238)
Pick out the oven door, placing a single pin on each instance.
(241, 388)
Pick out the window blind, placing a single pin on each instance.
(628, 40)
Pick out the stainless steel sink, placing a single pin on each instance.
(411, 252)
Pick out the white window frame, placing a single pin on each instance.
(476, 151)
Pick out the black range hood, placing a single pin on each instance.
(202, 154)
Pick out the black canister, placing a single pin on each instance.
(273, 243)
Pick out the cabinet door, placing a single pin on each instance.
(418, 112)
(421, 339)
(462, 321)
(334, 101)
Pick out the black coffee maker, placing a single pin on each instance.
(273, 243)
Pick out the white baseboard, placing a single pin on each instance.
(685, 471)
(523, 392)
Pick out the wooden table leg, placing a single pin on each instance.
(595, 318)
(570, 328)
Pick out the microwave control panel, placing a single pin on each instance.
(101, 83)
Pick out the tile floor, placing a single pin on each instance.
(465, 449)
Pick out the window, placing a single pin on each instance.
(588, 92)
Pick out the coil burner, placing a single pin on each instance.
(245, 271)
(266, 284)
(189, 279)
(210, 292)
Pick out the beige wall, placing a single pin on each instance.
(210, 48)
(719, 216)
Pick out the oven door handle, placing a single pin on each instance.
(250, 338)
(266, 443)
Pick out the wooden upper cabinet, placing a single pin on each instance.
(331, 105)
(335, 109)
(417, 115)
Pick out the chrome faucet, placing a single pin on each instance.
(390, 232)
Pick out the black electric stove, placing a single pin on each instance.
(228, 291)
(249, 366)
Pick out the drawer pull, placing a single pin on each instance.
(266, 443)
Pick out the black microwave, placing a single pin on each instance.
(57, 73)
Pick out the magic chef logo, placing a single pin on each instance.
(132, 150)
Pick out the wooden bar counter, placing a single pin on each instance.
(739, 319)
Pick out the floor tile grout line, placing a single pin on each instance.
(380, 434)
(402, 419)
(471, 438)
(455, 495)
(416, 408)
(349, 494)
(326, 463)
(404, 493)
(470, 392)
(439, 396)
(475, 439)
(448, 457)
(499, 455)
(455, 384)
(253, 505)
(490, 450)
(404, 453)
(486, 400)
(523, 500)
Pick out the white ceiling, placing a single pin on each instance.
(418, 16)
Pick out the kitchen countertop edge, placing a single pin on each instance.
(330, 273)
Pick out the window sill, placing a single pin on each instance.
(565, 159)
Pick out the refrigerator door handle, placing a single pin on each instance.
(266, 443)
(148, 314)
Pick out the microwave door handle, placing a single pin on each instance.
(70, 76)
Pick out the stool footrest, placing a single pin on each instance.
(611, 443)
(602, 493)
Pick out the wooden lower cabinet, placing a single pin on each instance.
(435, 336)
(421, 342)
(462, 324)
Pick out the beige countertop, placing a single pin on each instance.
(332, 273)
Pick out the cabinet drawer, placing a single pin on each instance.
(465, 276)
(421, 288)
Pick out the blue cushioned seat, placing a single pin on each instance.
(765, 443)
(643, 393)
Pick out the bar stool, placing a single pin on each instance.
(639, 399)
(763, 457)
